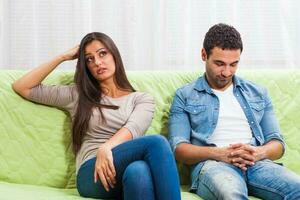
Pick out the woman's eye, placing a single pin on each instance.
(102, 53)
(88, 60)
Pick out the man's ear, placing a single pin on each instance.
(203, 54)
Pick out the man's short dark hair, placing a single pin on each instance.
(223, 36)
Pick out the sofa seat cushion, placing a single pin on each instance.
(15, 191)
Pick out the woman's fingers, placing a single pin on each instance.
(103, 180)
(99, 174)
(108, 175)
(71, 53)
(103, 172)
(95, 176)
(112, 171)
(75, 52)
(105, 168)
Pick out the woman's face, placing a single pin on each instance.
(99, 61)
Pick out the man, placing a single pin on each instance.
(225, 128)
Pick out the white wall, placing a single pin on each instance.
(150, 34)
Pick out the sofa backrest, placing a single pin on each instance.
(35, 140)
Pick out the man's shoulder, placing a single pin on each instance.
(250, 86)
(186, 89)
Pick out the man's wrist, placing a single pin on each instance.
(260, 153)
(216, 153)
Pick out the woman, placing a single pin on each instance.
(108, 117)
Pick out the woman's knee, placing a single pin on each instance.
(137, 181)
(159, 142)
(137, 169)
(137, 174)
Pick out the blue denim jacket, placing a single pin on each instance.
(195, 110)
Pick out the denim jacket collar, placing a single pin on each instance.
(202, 84)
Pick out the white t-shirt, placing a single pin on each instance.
(232, 126)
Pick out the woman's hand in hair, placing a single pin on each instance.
(23, 85)
(71, 54)
(104, 167)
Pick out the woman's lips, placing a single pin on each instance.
(101, 71)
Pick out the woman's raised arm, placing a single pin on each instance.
(23, 85)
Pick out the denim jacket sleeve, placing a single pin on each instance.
(179, 124)
(269, 124)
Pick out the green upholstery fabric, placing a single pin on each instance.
(35, 146)
(12, 191)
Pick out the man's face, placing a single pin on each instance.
(221, 66)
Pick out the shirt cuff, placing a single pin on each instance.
(279, 139)
(175, 141)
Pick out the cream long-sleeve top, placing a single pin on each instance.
(135, 113)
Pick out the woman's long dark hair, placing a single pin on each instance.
(89, 90)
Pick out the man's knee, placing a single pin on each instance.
(219, 181)
(222, 187)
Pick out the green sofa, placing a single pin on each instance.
(36, 159)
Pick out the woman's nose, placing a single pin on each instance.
(98, 61)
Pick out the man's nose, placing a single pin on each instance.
(226, 71)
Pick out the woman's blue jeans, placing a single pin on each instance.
(145, 169)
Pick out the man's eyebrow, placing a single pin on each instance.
(234, 62)
(220, 61)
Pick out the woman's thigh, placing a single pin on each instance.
(88, 188)
(123, 155)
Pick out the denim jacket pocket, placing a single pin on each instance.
(195, 109)
(257, 108)
(257, 105)
(196, 114)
